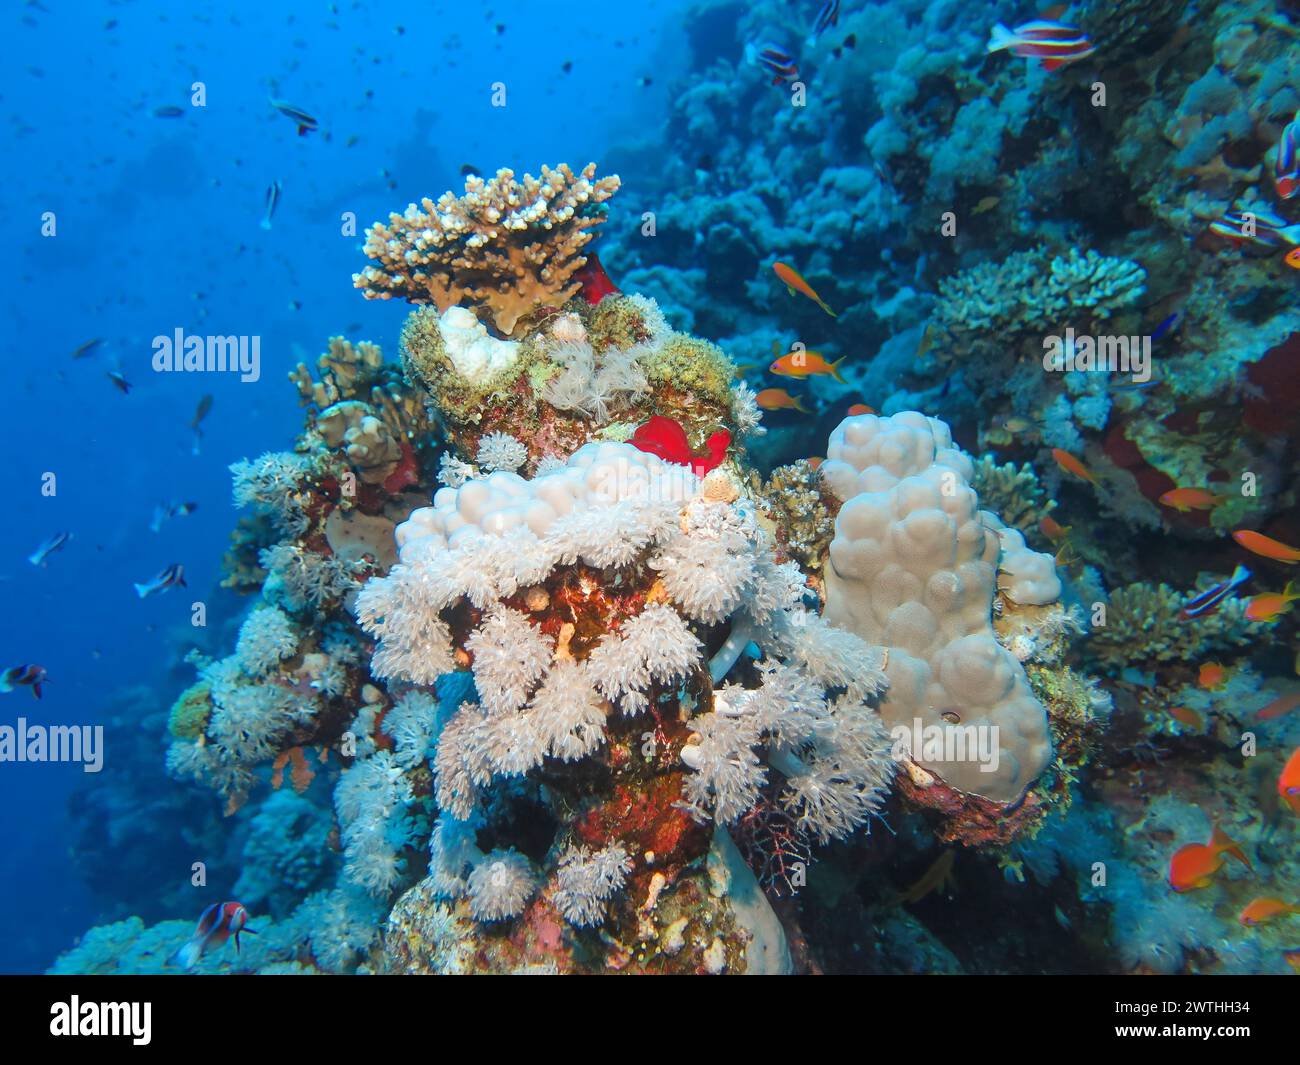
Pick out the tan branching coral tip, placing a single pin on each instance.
(506, 246)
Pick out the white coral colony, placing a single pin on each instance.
(612, 505)
(913, 566)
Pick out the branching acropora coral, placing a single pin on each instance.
(506, 247)
(1142, 625)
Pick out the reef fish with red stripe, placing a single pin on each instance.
(775, 60)
(217, 923)
(1286, 166)
(1052, 43)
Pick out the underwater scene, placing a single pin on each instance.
(700, 487)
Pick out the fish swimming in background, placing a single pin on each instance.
(166, 511)
(217, 923)
(792, 280)
(1053, 529)
(1211, 676)
(1072, 465)
(986, 204)
(1286, 167)
(168, 111)
(1194, 865)
(1052, 43)
(928, 337)
(119, 381)
(1207, 602)
(86, 348)
(775, 60)
(200, 412)
(272, 201)
(305, 122)
(1292, 258)
(1283, 704)
(41, 555)
(1269, 606)
(828, 15)
(779, 399)
(1266, 546)
(29, 675)
(1265, 909)
(859, 409)
(1018, 423)
(1185, 715)
(172, 576)
(1288, 784)
(1258, 225)
(1167, 326)
(1187, 499)
(802, 364)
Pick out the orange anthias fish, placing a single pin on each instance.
(1070, 464)
(1185, 715)
(1185, 499)
(1293, 258)
(1288, 784)
(1283, 704)
(802, 364)
(1266, 546)
(861, 408)
(1211, 676)
(1265, 909)
(1053, 529)
(795, 283)
(1269, 605)
(779, 399)
(1194, 865)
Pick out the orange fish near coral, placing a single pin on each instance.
(1194, 865)
(1053, 529)
(1266, 909)
(1288, 784)
(1293, 258)
(816, 461)
(795, 283)
(779, 399)
(1070, 464)
(1283, 704)
(1185, 499)
(803, 364)
(1185, 715)
(860, 408)
(1211, 676)
(1267, 546)
(1269, 605)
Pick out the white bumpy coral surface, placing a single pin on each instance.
(913, 567)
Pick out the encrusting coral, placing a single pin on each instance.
(506, 247)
